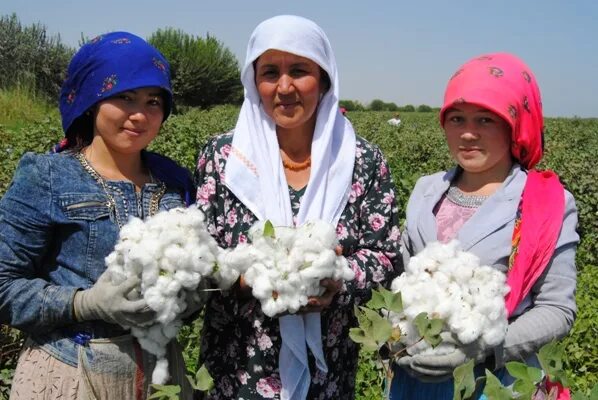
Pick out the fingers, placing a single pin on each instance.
(339, 250)
(131, 283)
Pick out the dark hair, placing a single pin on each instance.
(325, 80)
(80, 133)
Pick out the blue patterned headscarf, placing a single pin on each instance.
(110, 64)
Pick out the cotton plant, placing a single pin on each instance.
(450, 284)
(284, 265)
(172, 254)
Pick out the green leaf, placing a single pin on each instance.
(203, 380)
(520, 370)
(377, 300)
(170, 392)
(464, 381)
(525, 388)
(358, 335)
(268, 229)
(551, 360)
(494, 389)
(429, 328)
(362, 319)
(393, 301)
(380, 328)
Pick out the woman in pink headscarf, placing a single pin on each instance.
(500, 208)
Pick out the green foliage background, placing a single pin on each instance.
(416, 147)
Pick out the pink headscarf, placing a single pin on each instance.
(503, 84)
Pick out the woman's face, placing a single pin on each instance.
(478, 139)
(129, 121)
(289, 87)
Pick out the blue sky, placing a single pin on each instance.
(399, 51)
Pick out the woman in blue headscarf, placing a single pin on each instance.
(61, 217)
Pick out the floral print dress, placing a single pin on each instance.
(240, 345)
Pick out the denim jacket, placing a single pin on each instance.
(56, 228)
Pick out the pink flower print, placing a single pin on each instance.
(228, 238)
(242, 376)
(359, 274)
(227, 387)
(264, 342)
(231, 218)
(242, 239)
(121, 41)
(395, 234)
(71, 97)
(320, 377)
(268, 387)
(109, 83)
(209, 167)
(376, 221)
(383, 260)
(250, 351)
(334, 331)
(159, 64)
(201, 162)
(206, 191)
(341, 232)
(377, 276)
(356, 191)
(383, 170)
(331, 389)
(225, 151)
(246, 218)
(388, 198)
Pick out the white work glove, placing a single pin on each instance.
(439, 368)
(107, 301)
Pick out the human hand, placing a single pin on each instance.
(438, 368)
(319, 303)
(108, 302)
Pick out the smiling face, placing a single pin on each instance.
(129, 121)
(478, 139)
(289, 87)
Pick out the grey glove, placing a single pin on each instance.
(196, 299)
(107, 301)
(439, 368)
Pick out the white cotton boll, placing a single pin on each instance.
(450, 284)
(494, 334)
(160, 375)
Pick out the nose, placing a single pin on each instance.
(137, 112)
(470, 131)
(285, 84)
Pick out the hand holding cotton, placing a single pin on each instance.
(450, 284)
(284, 267)
(170, 253)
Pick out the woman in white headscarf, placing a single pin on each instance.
(291, 158)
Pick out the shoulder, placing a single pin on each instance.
(219, 144)
(41, 166)
(428, 180)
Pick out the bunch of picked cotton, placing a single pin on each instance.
(450, 284)
(172, 254)
(284, 265)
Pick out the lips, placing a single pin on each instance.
(133, 132)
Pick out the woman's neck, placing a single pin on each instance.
(296, 143)
(116, 166)
(483, 183)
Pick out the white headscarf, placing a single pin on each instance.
(254, 172)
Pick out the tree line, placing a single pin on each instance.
(205, 73)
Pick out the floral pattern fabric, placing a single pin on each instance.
(240, 345)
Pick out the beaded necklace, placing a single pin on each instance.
(111, 203)
(295, 166)
(456, 196)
